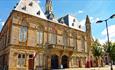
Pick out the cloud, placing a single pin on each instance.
(80, 11)
(3, 23)
(102, 41)
(97, 19)
(38, 1)
(111, 30)
(82, 22)
(92, 20)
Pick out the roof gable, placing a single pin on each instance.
(30, 7)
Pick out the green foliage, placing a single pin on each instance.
(96, 49)
(112, 52)
(110, 49)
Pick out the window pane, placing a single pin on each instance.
(65, 40)
(23, 34)
(52, 38)
(49, 38)
(19, 56)
(23, 56)
(40, 37)
(21, 60)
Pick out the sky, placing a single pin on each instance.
(95, 9)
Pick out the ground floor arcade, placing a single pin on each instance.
(34, 59)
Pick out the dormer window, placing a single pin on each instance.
(62, 20)
(79, 26)
(73, 20)
(24, 8)
(72, 24)
(31, 3)
(38, 13)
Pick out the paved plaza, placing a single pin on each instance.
(96, 68)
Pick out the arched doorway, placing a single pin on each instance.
(65, 62)
(54, 62)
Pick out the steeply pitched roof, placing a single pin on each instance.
(30, 7)
(87, 20)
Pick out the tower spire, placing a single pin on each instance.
(88, 34)
(88, 25)
(49, 10)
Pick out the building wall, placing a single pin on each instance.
(77, 52)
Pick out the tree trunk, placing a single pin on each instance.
(96, 62)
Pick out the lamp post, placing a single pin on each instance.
(100, 21)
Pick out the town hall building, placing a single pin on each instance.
(35, 40)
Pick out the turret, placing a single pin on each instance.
(88, 33)
(88, 25)
(49, 11)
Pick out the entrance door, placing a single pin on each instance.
(54, 62)
(65, 62)
(31, 62)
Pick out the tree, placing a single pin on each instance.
(110, 50)
(112, 53)
(97, 51)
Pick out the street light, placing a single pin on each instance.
(100, 21)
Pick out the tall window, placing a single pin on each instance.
(75, 40)
(52, 36)
(65, 39)
(23, 33)
(40, 35)
(21, 60)
(83, 43)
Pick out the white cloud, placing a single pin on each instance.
(92, 20)
(82, 22)
(80, 11)
(111, 30)
(2, 23)
(102, 41)
(97, 19)
(38, 1)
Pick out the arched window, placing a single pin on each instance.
(40, 35)
(52, 35)
(23, 32)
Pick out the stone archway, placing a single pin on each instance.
(65, 61)
(54, 62)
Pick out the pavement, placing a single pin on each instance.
(96, 68)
